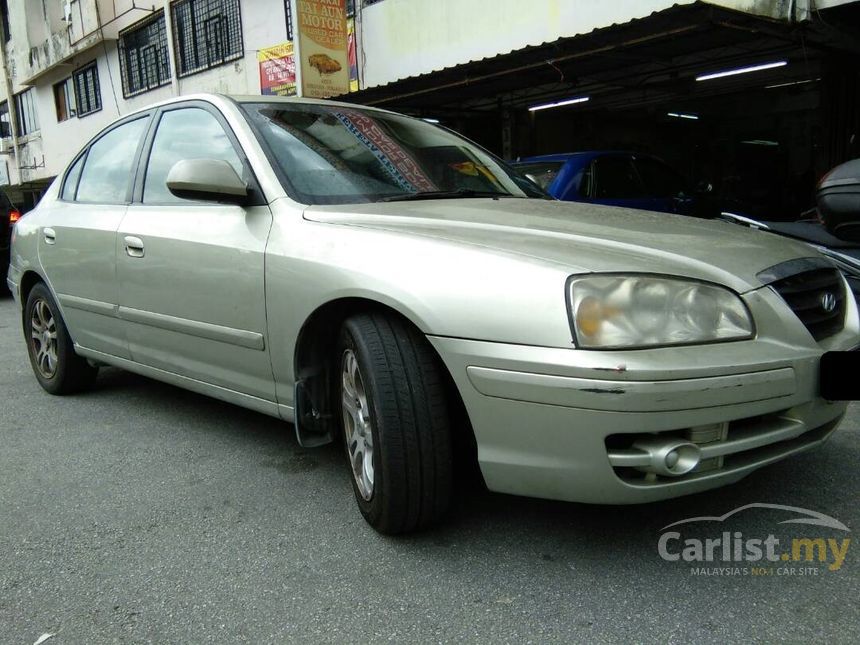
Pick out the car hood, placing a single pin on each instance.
(583, 237)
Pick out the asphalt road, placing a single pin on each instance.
(143, 513)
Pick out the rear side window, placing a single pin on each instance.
(615, 178)
(189, 133)
(542, 173)
(71, 185)
(107, 170)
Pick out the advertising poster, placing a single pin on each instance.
(323, 47)
(277, 70)
(351, 56)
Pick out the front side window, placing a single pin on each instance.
(28, 122)
(615, 178)
(107, 171)
(660, 180)
(143, 57)
(189, 133)
(87, 91)
(207, 33)
(341, 155)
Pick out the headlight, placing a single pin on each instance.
(634, 311)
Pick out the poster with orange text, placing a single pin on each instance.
(322, 33)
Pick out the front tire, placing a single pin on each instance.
(395, 423)
(52, 354)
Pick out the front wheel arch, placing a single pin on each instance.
(312, 362)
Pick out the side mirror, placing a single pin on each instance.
(838, 199)
(207, 179)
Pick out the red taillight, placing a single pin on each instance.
(14, 216)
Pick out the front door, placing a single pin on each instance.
(191, 273)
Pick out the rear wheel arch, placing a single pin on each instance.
(29, 280)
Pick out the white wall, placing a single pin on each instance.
(402, 38)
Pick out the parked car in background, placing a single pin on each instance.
(384, 283)
(8, 216)
(613, 178)
(845, 254)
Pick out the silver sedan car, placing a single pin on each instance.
(379, 281)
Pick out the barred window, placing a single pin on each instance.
(207, 33)
(25, 102)
(143, 57)
(5, 127)
(87, 92)
(288, 16)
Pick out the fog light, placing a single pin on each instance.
(669, 457)
(672, 459)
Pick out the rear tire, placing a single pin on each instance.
(52, 354)
(395, 422)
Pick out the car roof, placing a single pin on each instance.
(218, 99)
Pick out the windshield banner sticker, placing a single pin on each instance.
(396, 161)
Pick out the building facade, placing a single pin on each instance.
(73, 66)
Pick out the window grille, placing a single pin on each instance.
(143, 57)
(288, 14)
(87, 92)
(208, 33)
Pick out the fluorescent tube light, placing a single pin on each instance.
(546, 106)
(761, 142)
(683, 115)
(808, 80)
(742, 70)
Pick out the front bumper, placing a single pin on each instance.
(561, 423)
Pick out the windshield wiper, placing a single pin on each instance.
(443, 194)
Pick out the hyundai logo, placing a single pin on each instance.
(828, 302)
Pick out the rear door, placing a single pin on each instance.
(77, 246)
(191, 273)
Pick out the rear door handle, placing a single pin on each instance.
(50, 236)
(134, 246)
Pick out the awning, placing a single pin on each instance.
(644, 61)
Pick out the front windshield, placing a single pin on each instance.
(344, 155)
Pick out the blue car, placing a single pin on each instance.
(613, 178)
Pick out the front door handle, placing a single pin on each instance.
(50, 236)
(134, 246)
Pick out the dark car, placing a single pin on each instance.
(8, 216)
(614, 178)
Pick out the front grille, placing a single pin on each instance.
(806, 293)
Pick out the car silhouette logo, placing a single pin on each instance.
(828, 302)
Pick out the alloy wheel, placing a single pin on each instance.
(43, 333)
(357, 424)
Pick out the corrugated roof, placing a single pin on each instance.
(676, 31)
